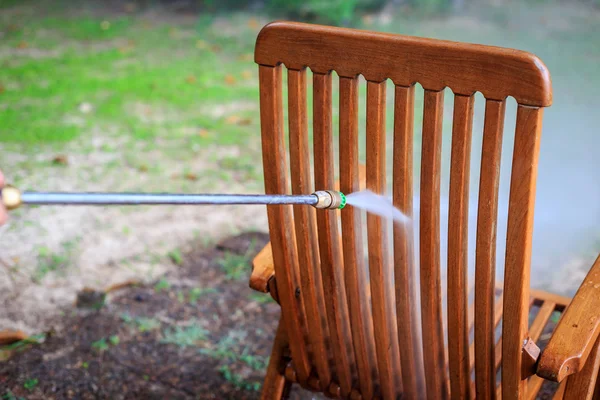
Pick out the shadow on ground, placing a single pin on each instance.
(197, 333)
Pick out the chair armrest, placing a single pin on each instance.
(576, 333)
(263, 269)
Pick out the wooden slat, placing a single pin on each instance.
(534, 384)
(311, 286)
(404, 275)
(382, 290)
(280, 217)
(497, 318)
(485, 259)
(561, 301)
(581, 385)
(434, 356)
(329, 241)
(354, 261)
(560, 392)
(458, 226)
(541, 319)
(518, 248)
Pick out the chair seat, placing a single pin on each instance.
(545, 309)
(544, 312)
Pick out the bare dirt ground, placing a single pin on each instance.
(197, 333)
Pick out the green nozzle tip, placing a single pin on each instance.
(343, 203)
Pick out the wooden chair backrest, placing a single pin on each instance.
(351, 333)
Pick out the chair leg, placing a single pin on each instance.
(276, 387)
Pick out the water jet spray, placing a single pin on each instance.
(13, 198)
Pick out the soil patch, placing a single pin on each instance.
(197, 333)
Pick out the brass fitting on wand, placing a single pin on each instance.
(330, 199)
(10, 197)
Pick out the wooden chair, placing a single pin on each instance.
(355, 335)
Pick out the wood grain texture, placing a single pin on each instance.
(276, 386)
(485, 258)
(382, 290)
(576, 333)
(560, 392)
(311, 286)
(329, 239)
(581, 385)
(434, 356)
(404, 262)
(497, 319)
(541, 319)
(357, 287)
(458, 226)
(280, 217)
(518, 248)
(436, 64)
(263, 269)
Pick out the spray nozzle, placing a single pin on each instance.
(330, 199)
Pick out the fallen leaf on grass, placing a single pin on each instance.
(232, 119)
(230, 79)
(246, 57)
(190, 79)
(191, 176)
(244, 122)
(203, 133)
(22, 45)
(60, 159)
(252, 23)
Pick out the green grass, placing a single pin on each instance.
(162, 285)
(30, 384)
(140, 78)
(142, 324)
(195, 293)
(184, 337)
(54, 262)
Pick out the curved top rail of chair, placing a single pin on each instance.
(436, 64)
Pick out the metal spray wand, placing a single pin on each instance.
(13, 198)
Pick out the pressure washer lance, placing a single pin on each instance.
(13, 198)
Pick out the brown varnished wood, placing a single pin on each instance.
(311, 286)
(379, 263)
(534, 384)
(263, 269)
(541, 319)
(518, 247)
(276, 385)
(576, 333)
(497, 318)
(354, 257)
(581, 385)
(458, 217)
(404, 275)
(436, 64)
(280, 217)
(485, 259)
(560, 392)
(434, 357)
(329, 238)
